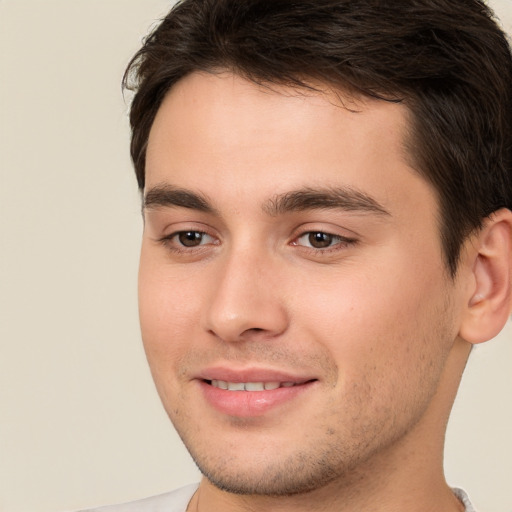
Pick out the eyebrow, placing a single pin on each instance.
(170, 196)
(332, 198)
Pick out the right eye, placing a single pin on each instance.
(191, 238)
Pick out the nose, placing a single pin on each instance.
(246, 301)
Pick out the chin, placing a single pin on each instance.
(294, 474)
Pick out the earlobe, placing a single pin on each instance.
(490, 296)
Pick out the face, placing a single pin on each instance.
(295, 308)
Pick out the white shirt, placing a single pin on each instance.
(178, 500)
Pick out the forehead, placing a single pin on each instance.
(202, 101)
(222, 129)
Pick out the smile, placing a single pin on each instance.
(249, 386)
(261, 396)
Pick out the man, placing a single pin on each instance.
(327, 195)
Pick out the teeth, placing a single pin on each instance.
(250, 386)
(236, 386)
(253, 386)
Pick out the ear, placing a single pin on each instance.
(489, 294)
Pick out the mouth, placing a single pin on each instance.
(253, 397)
(251, 386)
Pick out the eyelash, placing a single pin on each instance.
(171, 241)
(336, 242)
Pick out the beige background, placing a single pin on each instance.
(80, 423)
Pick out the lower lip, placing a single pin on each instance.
(246, 404)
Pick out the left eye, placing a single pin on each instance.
(319, 240)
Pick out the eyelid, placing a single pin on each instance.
(169, 230)
(341, 243)
(176, 235)
(170, 242)
(334, 236)
(325, 227)
(178, 232)
(340, 238)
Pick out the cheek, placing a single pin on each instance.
(168, 311)
(380, 324)
(168, 317)
(389, 340)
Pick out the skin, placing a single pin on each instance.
(371, 315)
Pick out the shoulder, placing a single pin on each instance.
(463, 497)
(175, 501)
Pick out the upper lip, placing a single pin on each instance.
(251, 375)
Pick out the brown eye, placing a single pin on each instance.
(320, 240)
(190, 238)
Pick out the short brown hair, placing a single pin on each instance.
(447, 60)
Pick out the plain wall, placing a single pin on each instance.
(80, 422)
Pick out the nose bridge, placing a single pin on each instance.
(245, 298)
